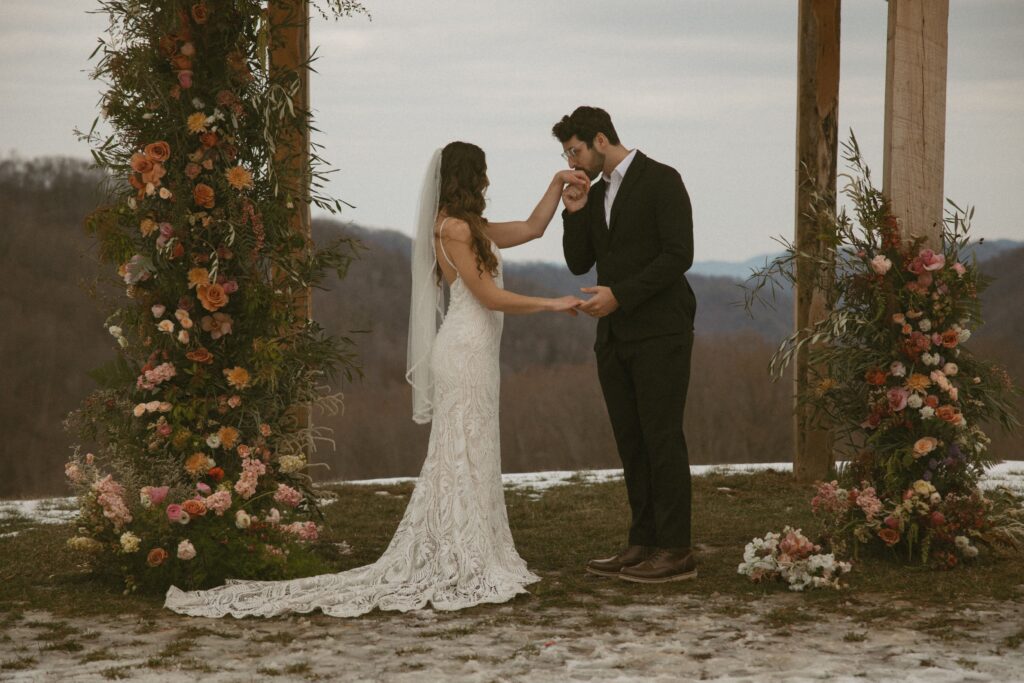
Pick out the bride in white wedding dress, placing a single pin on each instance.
(453, 548)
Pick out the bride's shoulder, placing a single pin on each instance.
(453, 229)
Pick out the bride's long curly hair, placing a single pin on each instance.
(463, 181)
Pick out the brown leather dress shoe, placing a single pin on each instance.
(610, 566)
(666, 564)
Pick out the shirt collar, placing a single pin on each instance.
(621, 169)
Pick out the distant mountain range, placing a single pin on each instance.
(740, 270)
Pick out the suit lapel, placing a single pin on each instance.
(635, 170)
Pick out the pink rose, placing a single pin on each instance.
(892, 522)
(959, 269)
(203, 488)
(157, 494)
(185, 79)
(897, 399)
(174, 512)
(930, 260)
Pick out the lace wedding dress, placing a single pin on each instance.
(453, 548)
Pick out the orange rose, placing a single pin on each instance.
(195, 508)
(158, 151)
(154, 174)
(199, 13)
(238, 377)
(950, 338)
(948, 414)
(140, 163)
(228, 436)
(208, 140)
(216, 473)
(156, 557)
(200, 355)
(890, 536)
(181, 62)
(203, 195)
(875, 376)
(212, 296)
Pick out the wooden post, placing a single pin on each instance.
(289, 48)
(817, 128)
(915, 115)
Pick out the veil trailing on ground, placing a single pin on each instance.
(426, 310)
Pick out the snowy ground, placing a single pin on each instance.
(712, 637)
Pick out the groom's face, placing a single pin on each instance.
(582, 157)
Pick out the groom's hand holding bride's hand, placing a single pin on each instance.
(576, 186)
(566, 304)
(601, 304)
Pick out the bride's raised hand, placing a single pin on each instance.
(566, 304)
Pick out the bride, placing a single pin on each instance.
(453, 548)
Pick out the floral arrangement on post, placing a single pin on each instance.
(199, 472)
(903, 395)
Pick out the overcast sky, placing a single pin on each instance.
(708, 87)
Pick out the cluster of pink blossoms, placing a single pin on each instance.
(252, 470)
(111, 499)
(149, 379)
(286, 495)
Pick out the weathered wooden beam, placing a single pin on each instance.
(817, 128)
(289, 49)
(915, 115)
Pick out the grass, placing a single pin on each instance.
(556, 533)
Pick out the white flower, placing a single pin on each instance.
(896, 369)
(950, 369)
(291, 463)
(158, 310)
(197, 103)
(186, 551)
(183, 336)
(185, 518)
(213, 441)
(242, 519)
(930, 358)
(122, 342)
(927, 412)
(925, 325)
(129, 542)
(273, 517)
(963, 335)
(880, 264)
(115, 331)
(132, 204)
(165, 193)
(915, 401)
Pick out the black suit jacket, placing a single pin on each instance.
(643, 255)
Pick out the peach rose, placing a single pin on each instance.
(212, 297)
(203, 195)
(209, 140)
(950, 338)
(890, 536)
(154, 174)
(925, 445)
(156, 557)
(158, 151)
(195, 508)
(948, 414)
(181, 62)
(140, 163)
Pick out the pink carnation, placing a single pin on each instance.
(286, 495)
(219, 502)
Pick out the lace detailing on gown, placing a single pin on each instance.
(453, 548)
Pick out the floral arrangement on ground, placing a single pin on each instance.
(902, 394)
(196, 470)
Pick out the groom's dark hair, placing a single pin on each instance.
(585, 123)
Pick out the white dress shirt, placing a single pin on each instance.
(613, 183)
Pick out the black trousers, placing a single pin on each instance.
(644, 385)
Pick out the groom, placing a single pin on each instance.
(636, 225)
